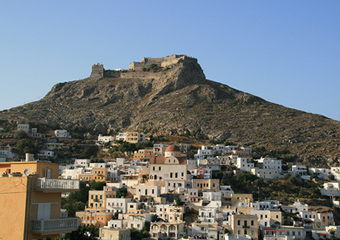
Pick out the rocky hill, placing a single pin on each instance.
(172, 96)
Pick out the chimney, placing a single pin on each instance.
(29, 157)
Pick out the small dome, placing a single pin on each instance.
(172, 148)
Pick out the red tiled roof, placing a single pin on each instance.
(161, 160)
(172, 148)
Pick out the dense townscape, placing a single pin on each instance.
(135, 186)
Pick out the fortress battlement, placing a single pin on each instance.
(98, 70)
(161, 62)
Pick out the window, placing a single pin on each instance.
(238, 222)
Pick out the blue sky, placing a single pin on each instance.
(286, 52)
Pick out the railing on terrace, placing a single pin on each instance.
(55, 184)
(51, 225)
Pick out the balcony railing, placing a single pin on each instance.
(63, 185)
(55, 225)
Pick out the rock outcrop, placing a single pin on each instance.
(171, 95)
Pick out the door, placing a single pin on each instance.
(44, 211)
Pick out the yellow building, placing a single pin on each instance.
(31, 199)
(117, 234)
(206, 184)
(95, 213)
(241, 197)
(97, 175)
(131, 137)
(142, 154)
(243, 225)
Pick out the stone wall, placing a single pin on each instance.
(161, 62)
(97, 70)
(112, 74)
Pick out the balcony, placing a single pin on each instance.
(62, 225)
(57, 185)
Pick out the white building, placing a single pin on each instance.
(212, 196)
(268, 218)
(300, 170)
(6, 153)
(228, 159)
(104, 139)
(82, 162)
(266, 205)
(131, 137)
(321, 172)
(211, 213)
(117, 205)
(172, 168)
(211, 163)
(159, 149)
(203, 154)
(61, 133)
(72, 173)
(244, 164)
(270, 163)
(24, 127)
(331, 189)
(144, 190)
(266, 173)
(169, 212)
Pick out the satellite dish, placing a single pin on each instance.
(27, 171)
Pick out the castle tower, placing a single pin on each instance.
(97, 70)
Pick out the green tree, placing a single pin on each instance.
(26, 146)
(89, 151)
(97, 185)
(121, 192)
(21, 134)
(55, 126)
(84, 233)
(76, 201)
(135, 234)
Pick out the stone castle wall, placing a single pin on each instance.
(135, 68)
(161, 62)
(97, 70)
(112, 74)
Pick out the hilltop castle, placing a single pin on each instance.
(99, 71)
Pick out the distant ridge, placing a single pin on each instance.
(171, 95)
